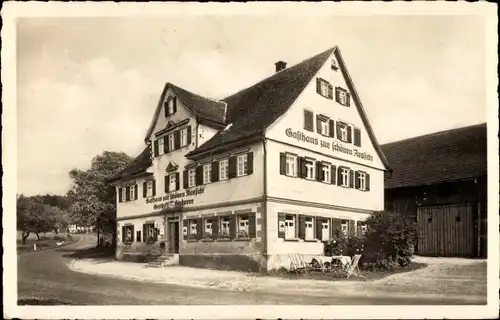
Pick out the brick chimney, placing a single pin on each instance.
(280, 65)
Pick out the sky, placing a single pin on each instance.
(86, 85)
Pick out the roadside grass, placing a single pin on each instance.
(95, 253)
(331, 276)
(48, 240)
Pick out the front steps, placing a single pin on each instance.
(164, 260)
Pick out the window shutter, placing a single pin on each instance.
(339, 176)
(232, 226)
(319, 172)
(356, 180)
(123, 233)
(318, 85)
(302, 227)
(199, 175)
(167, 184)
(252, 227)
(339, 132)
(189, 135)
(318, 124)
(132, 236)
(358, 228)
(177, 181)
(337, 95)
(357, 137)
(232, 167)
(199, 229)
(303, 168)
(215, 228)
(185, 178)
(351, 228)
(336, 228)
(367, 182)
(175, 105)
(347, 99)
(165, 144)
(319, 228)
(120, 198)
(331, 128)
(333, 174)
(281, 221)
(185, 226)
(283, 163)
(250, 163)
(136, 192)
(177, 140)
(351, 178)
(165, 106)
(154, 187)
(349, 134)
(144, 232)
(308, 120)
(144, 189)
(215, 171)
(156, 150)
(127, 194)
(330, 91)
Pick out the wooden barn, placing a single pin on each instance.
(440, 179)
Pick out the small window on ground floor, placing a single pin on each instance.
(208, 228)
(193, 229)
(243, 226)
(325, 231)
(224, 227)
(309, 228)
(290, 226)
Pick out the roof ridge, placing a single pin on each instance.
(195, 94)
(276, 73)
(436, 133)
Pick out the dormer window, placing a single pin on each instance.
(170, 106)
(342, 96)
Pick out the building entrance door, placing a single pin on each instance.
(173, 236)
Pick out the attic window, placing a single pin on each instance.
(334, 65)
(324, 88)
(342, 96)
(170, 106)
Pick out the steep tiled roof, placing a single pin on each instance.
(252, 110)
(209, 111)
(451, 155)
(138, 165)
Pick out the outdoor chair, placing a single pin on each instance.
(297, 264)
(353, 268)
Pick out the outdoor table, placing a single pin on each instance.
(345, 260)
(322, 260)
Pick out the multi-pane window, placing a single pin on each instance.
(184, 137)
(310, 169)
(290, 227)
(363, 229)
(193, 228)
(323, 127)
(342, 96)
(124, 194)
(224, 227)
(172, 183)
(170, 142)
(309, 228)
(325, 231)
(243, 226)
(242, 163)
(344, 227)
(161, 147)
(149, 190)
(128, 234)
(191, 178)
(132, 192)
(323, 88)
(208, 227)
(326, 173)
(291, 165)
(343, 132)
(223, 169)
(344, 175)
(207, 173)
(362, 180)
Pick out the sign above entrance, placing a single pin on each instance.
(175, 199)
(334, 146)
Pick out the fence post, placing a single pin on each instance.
(34, 246)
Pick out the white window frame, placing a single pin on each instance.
(364, 228)
(344, 227)
(243, 224)
(225, 226)
(325, 236)
(191, 178)
(124, 194)
(291, 165)
(290, 226)
(309, 224)
(192, 223)
(184, 137)
(242, 165)
(342, 97)
(224, 169)
(310, 164)
(344, 177)
(323, 88)
(149, 188)
(171, 144)
(362, 180)
(207, 173)
(324, 127)
(209, 226)
(161, 147)
(132, 192)
(343, 133)
(172, 183)
(327, 175)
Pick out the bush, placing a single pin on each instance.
(59, 238)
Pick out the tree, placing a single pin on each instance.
(92, 197)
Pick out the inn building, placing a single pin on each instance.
(274, 169)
